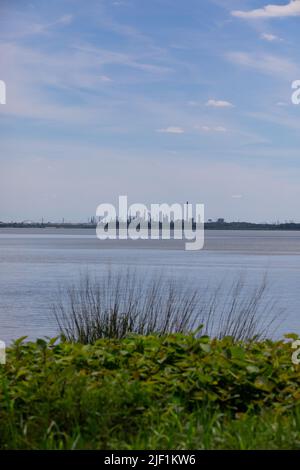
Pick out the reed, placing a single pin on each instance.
(118, 304)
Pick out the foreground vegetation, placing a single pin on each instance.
(121, 303)
(150, 392)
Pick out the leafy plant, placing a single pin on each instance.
(174, 391)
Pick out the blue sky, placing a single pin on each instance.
(161, 100)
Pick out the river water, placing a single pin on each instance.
(34, 263)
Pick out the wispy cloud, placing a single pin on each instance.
(211, 128)
(219, 104)
(63, 20)
(281, 120)
(270, 37)
(23, 28)
(135, 61)
(193, 103)
(271, 11)
(171, 130)
(105, 78)
(265, 63)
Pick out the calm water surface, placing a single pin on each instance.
(35, 262)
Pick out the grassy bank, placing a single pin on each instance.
(150, 392)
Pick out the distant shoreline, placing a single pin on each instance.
(289, 226)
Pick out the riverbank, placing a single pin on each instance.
(146, 392)
(212, 225)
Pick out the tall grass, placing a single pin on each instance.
(119, 304)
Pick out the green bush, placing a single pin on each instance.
(144, 392)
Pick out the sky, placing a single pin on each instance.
(162, 101)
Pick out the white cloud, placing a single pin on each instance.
(212, 129)
(219, 104)
(172, 130)
(271, 11)
(270, 37)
